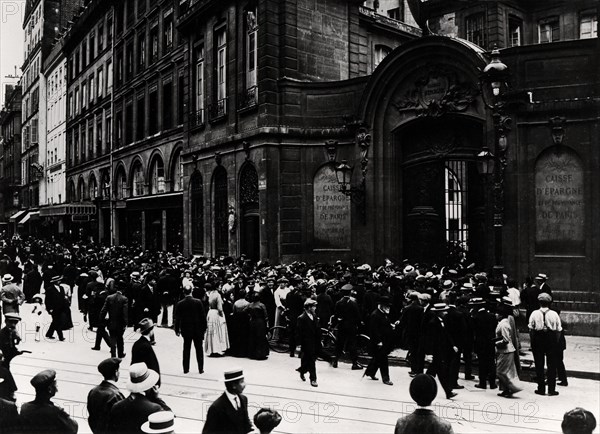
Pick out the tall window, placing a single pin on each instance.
(93, 188)
(251, 51)
(100, 37)
(141, 7)
(180, 97)
(177, 173)
(84, 95)
(154, 41)
(167, 105)
(221, 64)
(109, 77)
(129, 122)
(157, 177)
(129, 61)
(121, 185)
(109, 31)
(119, 129)
(168, 31)
(99, 136)
(588, 26)
(475, 29)
(456, 203)
(381, 51)
(119, 75)
(100, 83)
(141, 117)
(91, 138)
(138, 181)
(92, 47)
(515, 30)
(141, 53)
(197, 217)
(92, 89)
(84, 54)
(549, 31)
(200, 85)
(153, 110)
(77, 101)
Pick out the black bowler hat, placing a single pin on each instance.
(423, 389)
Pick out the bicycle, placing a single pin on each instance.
(279, 336)
(328, 343)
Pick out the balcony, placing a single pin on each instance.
(388, 22)
(248, 99)
(218, 110)
(196, 119)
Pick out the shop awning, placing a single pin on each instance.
(55, 210)
(25, 219)
(16, 216)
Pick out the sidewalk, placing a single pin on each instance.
(582, 357)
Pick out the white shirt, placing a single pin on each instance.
(536, 320)
(234, 399)
(280, 294)
(515, 296)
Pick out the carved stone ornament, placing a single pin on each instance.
(557, 124)
(437, 91)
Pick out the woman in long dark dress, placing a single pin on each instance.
(259, 324)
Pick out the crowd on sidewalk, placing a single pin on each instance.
(225, 306)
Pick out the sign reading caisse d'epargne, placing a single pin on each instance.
(331, 229)
(559, 204)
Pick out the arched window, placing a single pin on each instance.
(221, 212)
(177, 173)
(457, 228)
(106, 185)
(381, 51)
(137, 180)
(197, 213)
(121, 184)
(81, 190)
(93, 188)
(72, 193)
(157, 176)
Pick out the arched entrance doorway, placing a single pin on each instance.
(249, 215)
(220, 217)
(442, 193)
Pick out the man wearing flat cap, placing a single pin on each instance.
(308, 335)
(101, 398)
(41, 415)
(229, 413)
(545, 328)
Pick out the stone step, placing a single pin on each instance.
(578, 296)
(576, 306)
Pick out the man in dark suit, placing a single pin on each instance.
(410, 322)
(381, 333)
(129, 414)
(484, 326)
(424, 347)
(423, 390)
(102, 397)
(308, 335)
(457, 328)
(116, 307)
(9, 416)
(443, 348)
(541, 282)
(229, 413)
(347, 313)
(190, 322)
(57, 305)
(142, 350)
(41, 415)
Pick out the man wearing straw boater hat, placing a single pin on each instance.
(229, 413)
(128, 415)
(161, 422)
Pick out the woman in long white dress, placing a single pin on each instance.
(216, 341)
(506, 370)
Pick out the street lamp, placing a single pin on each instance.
(494, 77)
(343, 173)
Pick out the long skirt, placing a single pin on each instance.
(506, 371)
(217, 337)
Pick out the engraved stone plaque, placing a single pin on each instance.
(332, 229)
(559, 203)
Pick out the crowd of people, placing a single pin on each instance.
(225, 307)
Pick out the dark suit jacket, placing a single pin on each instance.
(423, 421)
(9, 417)
(223, 418)
(99, 403)
(308, 334)
(44, 417)
(190, 319)
(115, 306)
(142, 351)
(410, 324)
(380, 331)
(128, 416)
(457, 326)
(484, 326)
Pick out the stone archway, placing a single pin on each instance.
(249, 212)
